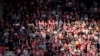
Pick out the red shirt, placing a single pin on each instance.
(2, 49)
(79, 46)
(74, 55)
(34, 43)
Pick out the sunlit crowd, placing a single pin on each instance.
(51, 28)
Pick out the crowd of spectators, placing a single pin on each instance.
(51, 28)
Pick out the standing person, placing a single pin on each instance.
(10, 44)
